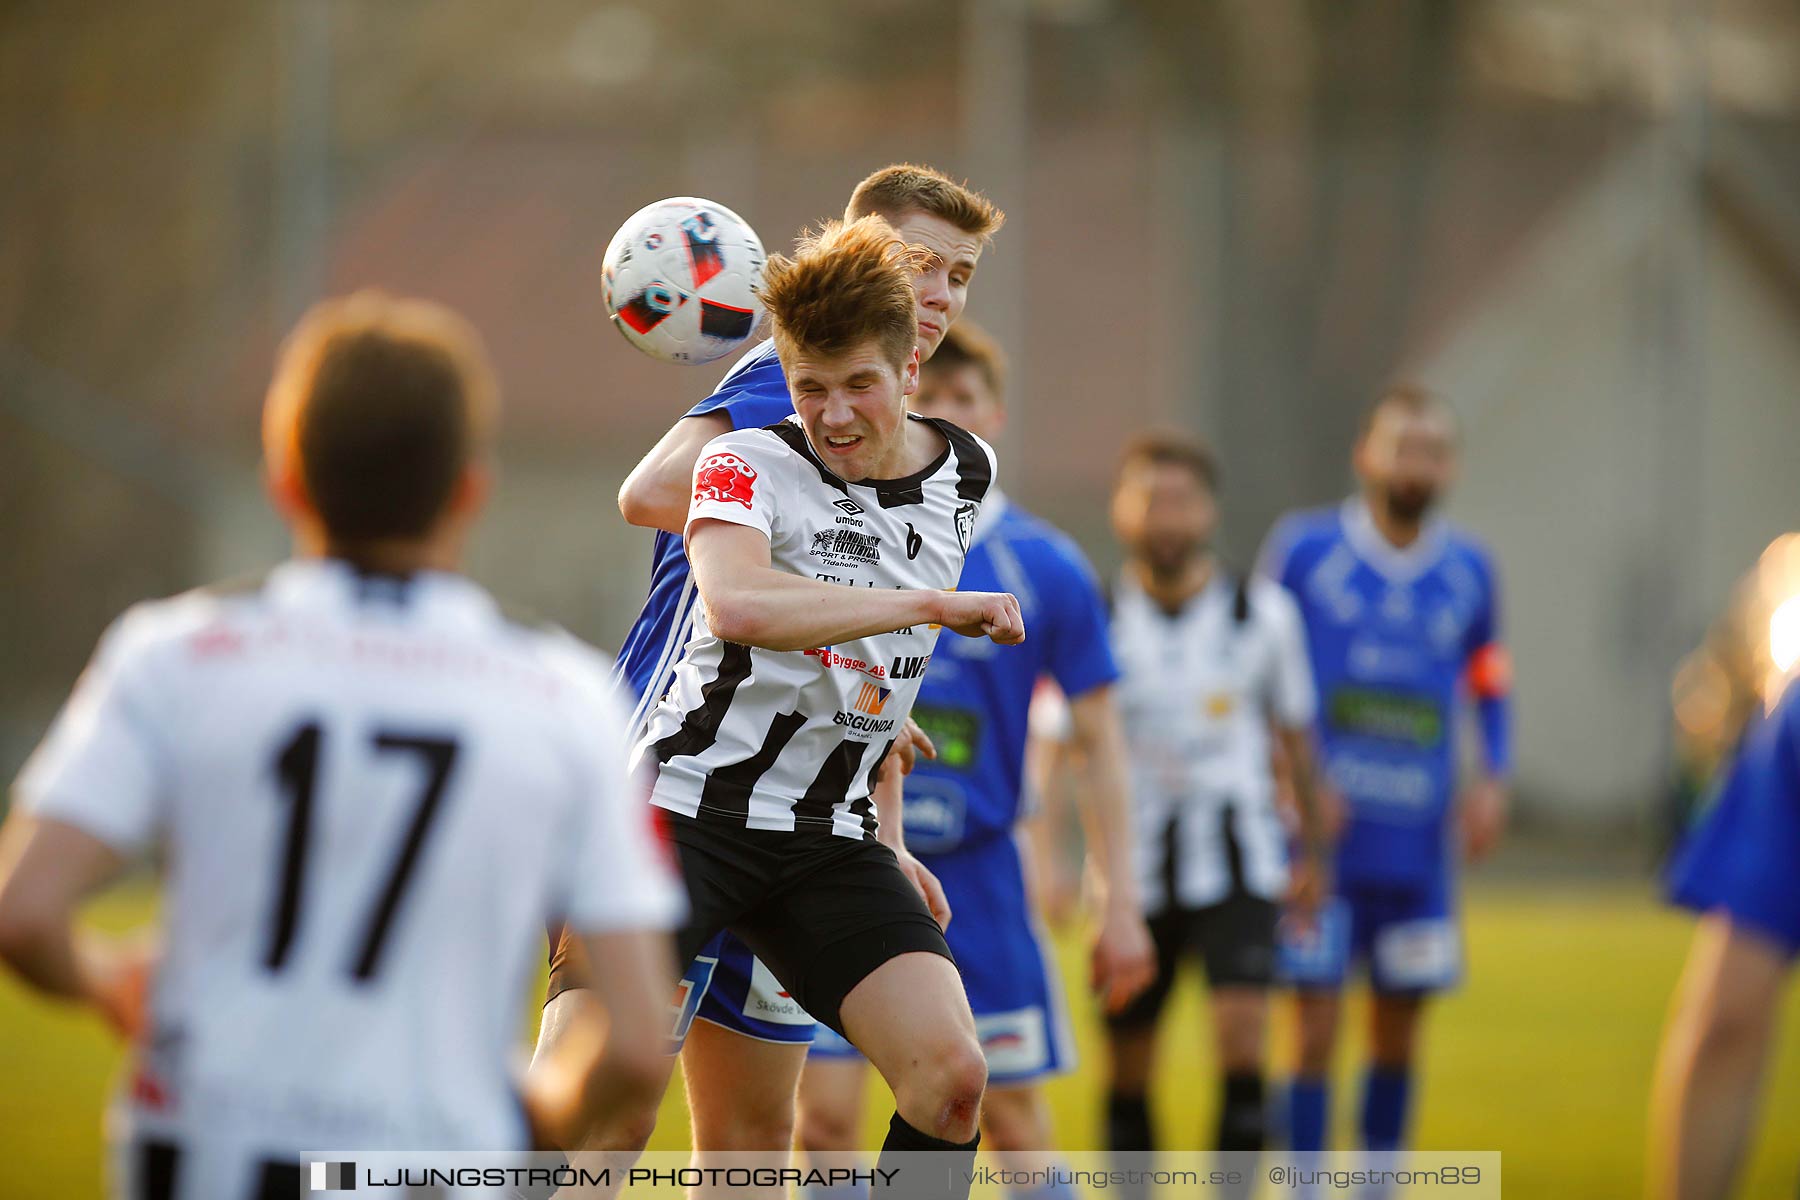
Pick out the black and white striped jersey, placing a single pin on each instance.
(369, 794)
(1198, 691)
(793, 739)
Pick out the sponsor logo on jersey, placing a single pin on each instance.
(909, 666)
(767, 1001)
(871, 699)
(1408, 718)
(1014, 1043)
(725, 479)
(858, 723)
(965, 525)
(846, 547)
(915, 542)
(842, 662)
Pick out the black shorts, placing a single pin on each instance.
(1234, 939)
(821, 911)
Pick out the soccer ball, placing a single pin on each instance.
(680, 280)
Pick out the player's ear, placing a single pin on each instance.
(286, 490)
(473, 487)
(909, 374)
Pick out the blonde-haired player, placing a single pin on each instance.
(824, 548)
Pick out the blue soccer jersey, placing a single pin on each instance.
(753, 394)
(1400, 639)
(976, 694)
(1741, 858)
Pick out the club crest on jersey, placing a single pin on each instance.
(725, 479)
(965, 525)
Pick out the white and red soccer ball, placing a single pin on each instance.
(680, 280)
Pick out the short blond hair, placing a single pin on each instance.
(379, 403)
(903, 188)
(849, 283)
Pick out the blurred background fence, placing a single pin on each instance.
(1579, 219)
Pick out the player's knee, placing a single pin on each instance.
(827, 1127)
(1012, 1119)
(628, 1132)
(944, 1087)
(751, 1131)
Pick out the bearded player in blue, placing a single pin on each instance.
(1402, 621)
(743, 1041)
(962, 808)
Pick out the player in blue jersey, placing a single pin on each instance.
(962, 807)
(742, 1058)
(1738, 869)
(1402, 622)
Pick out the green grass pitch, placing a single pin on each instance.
(1545, 1055)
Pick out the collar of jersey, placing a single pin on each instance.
(299, 577)
(1399, 564)
(907, 489)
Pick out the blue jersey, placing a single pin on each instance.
(976, 694)
(753, 394)
(1741, 857)
(1398, 639)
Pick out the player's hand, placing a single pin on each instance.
(929, 888)
(909, 746)
(1309, 883)
(983, 614)
(1483, 817)
(118, 976)
(1334, 811)
(1123, 961)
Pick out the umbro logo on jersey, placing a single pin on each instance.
(871, 698)
(848, 505)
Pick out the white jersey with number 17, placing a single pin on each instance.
(369, 794)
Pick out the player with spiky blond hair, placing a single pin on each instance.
(824, 549)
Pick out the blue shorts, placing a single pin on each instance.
(1005, 969)
(727, 985)
(1408, 936)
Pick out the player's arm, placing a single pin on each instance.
(598, 1073)
(1310, 885)
(750, 602)
(1489, 676)
(47, 869)
(1124, 962)
(890, 806)
(1710, 1070)
(655, 494)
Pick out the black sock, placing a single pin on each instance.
(1128, 1123)
(1128, 1132)
(947, 1178)
(1241, 1117)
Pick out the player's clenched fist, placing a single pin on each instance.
(983, 614)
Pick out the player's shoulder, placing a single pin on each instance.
(1041, 545)
(1300, 535)
(975, 462)
(753, 393)
(1463, 547)
(1269, 601)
